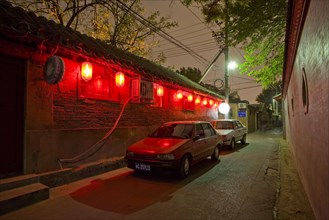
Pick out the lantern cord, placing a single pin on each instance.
(98, 145)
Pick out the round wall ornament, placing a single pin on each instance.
(53, 70)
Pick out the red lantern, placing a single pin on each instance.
(190, 98)
(119, 79)
(216, 105)
(197, 100)
(86, 71)
(211, 102)
(204, 102)
(160, 91)
(179, 94)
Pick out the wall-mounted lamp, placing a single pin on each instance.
(86, 71)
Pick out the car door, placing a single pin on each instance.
(200, 143)
(238, 130)
(211, 139)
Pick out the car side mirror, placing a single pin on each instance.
(197, 137)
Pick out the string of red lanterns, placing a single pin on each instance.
(87, 74)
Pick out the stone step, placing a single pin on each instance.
(20, 197)
(18, 181)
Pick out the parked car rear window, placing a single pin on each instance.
(223, 125)
(173, 131)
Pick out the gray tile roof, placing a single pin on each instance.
(25, 27)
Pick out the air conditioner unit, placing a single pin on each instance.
(242, 105)
(141, 90)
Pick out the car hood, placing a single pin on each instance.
(157, 145)
(224, 131)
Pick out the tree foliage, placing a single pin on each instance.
(266, 97)
(258, 27)
(193, 74)
(107, 20)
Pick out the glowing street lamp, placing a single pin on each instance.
(224, 108)
(232, 65)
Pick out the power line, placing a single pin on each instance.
(193, 45)
(160, 32)
(248, 87)
(187, 37)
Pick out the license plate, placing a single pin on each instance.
(141, 166)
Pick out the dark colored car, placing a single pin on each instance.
(175, 145)
(231, 131)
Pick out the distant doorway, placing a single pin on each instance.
(257, 122)
(12, 90)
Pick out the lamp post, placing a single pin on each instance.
(228, 66)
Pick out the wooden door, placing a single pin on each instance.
(12, 90)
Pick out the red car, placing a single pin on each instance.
(175, 145)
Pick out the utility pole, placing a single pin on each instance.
(226, 51)
(210, 65)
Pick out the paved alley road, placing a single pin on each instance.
(241, 186)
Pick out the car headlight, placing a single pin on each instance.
(130, 154)
(165, 157)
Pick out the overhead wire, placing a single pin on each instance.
(160, 32)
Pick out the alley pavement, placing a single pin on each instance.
(291, 202)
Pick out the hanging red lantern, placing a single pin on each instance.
(86, 71)
(197, 100)
(215, 105)
(205, 101)
(160, 91)
(211, 102)
(179, 94)
(119, 79)
(190, 98)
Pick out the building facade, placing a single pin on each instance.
(68, 99)
(306, 97)
(249, 115)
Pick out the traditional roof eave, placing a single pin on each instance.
(25, 27)
(297, 11)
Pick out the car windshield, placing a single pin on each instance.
(183, 131)
(224, 125)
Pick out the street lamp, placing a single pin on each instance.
(232, 65)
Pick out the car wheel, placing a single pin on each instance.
(215, 155)
(184, 168)
(232, 145)
(244, 139)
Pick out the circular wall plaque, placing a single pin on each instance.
(53, 70)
